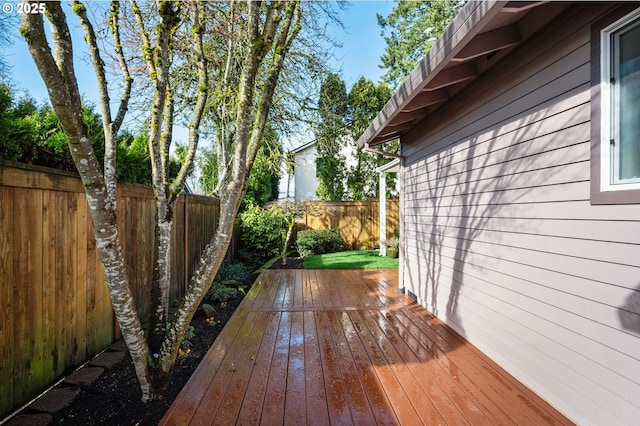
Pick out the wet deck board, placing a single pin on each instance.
(324, 347)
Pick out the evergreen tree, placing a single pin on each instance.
(409, 31)
(365, 101)
(332, 107)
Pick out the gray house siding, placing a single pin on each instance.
(500, 238)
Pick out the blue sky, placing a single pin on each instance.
(362, 43)
(359, 55)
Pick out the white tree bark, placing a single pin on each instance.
(275, 38)
(270, 29)
(58, 73)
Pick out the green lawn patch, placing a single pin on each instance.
(360, 259)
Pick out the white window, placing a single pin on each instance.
(620, 96)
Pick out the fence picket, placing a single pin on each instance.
(55, 310)
(359, 221)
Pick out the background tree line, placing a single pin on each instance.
(31, 134)
(343, 117)
(409, 31)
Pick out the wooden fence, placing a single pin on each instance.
(55, 310)
(359, 221)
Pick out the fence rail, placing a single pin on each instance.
(55, 310)
(359, 221)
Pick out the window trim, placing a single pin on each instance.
(603, 192)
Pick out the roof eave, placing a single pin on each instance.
(466, 25)
(304, 147)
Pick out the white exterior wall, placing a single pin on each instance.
(500, 239)
(305, 179)
(306, 182)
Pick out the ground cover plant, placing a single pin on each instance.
(360, 259)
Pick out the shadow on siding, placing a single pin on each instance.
(466, 187)
(629, 319)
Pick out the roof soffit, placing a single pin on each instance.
(480, 35)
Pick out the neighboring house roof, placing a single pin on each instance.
(480, 35)
(391, 167)
(305, 146)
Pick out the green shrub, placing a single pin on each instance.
(319, 241)
(220, 293)
(251, 259)
(263, 231)
(236, 271)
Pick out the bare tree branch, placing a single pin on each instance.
(201, 101)
(110, 141)
(114, 25)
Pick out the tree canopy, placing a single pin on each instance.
(409, 32)
(365, 101)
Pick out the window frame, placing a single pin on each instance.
(603, 190)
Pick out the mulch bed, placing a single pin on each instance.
(114, 398)
(292, 263)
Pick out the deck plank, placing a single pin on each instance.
(378, 400)
(482, 378)
(232, 396)
(216, 393)
(401, 403)
(316, 397)
(356, 395)
(255, 394)
(439, 385)
(322, 347)
(440, 350)
(295, 412)
(337, 403)
(433, 406)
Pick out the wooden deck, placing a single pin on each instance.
(343, 347)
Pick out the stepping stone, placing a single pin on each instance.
(107, 359)
(119, 346)
(84, 376)
(55, 400)
(40, 419)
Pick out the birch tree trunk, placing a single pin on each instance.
(266, 51)
(57, 70)
(270, 29)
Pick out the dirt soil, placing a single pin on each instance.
(114, 399)
(292, 263)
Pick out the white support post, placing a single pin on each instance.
(383, 212)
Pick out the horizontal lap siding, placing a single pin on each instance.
(500, 239)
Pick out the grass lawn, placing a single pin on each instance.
(360, 259)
